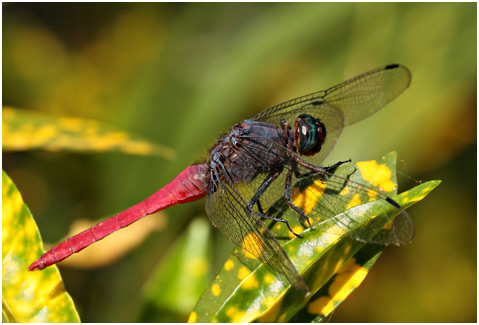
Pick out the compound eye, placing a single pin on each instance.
(310, 134)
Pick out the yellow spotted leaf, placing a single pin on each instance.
(333, 258)
(29, 130)
(340, 286)
(38, 297)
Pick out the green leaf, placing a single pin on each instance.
(329, 259)
(28, 130)
(28, 296)
(354, 271)
(182, 275)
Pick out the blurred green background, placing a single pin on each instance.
(181, 74)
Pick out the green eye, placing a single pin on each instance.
(310, 134)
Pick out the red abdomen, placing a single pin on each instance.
(190, 185)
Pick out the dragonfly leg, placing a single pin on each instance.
(260, 209)
(277, 220)
(255, 200)
(298, 173)
(287, 196)
(336, 165)
(263, 187)
(315, 168)
(359, 187)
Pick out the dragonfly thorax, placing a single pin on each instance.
(250, 149)
(309, 134)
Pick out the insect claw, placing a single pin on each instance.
(297, 235)
(336, 165)
(310, 225)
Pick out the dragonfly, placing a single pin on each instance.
(259, 163)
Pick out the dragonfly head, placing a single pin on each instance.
(309, 133)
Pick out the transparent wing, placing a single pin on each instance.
(343, 104)
(355, 98)
(226, 207)
(323, 197)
